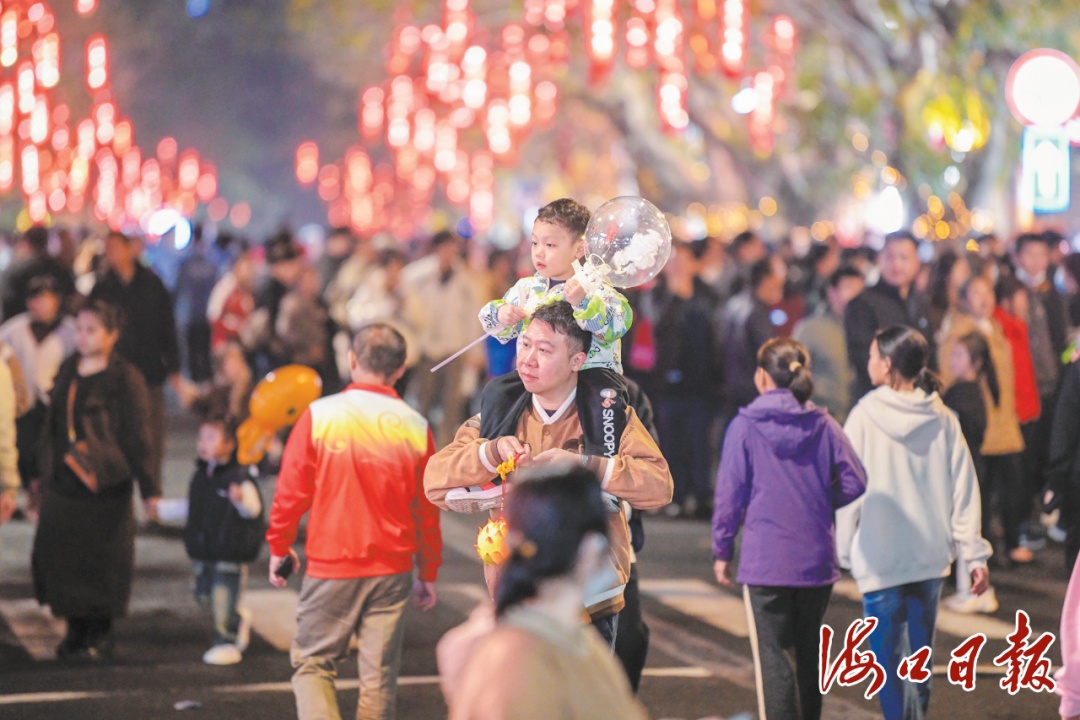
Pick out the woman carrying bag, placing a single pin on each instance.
(94, 450)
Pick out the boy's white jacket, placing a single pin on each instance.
(922, 503)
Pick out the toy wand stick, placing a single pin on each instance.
(460, 352)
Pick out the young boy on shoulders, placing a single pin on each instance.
(557, 246)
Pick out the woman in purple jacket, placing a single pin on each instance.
(786, 466)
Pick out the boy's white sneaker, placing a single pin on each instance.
(476, 498)
(243, 632)
(223, 655)
(968, 604)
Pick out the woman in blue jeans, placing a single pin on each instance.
(920, 510)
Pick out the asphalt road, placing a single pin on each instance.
(699, 663)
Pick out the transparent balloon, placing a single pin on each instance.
(628, 241)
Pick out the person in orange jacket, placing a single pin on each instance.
(356, 461)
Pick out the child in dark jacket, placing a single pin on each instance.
(785, 467)
(224, 532)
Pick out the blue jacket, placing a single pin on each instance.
(784, 469)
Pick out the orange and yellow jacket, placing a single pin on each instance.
(356, 460)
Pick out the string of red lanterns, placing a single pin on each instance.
(441, 85)
(65, 165)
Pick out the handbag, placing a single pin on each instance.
(77, 457)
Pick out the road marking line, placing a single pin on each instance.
(36, 629)
(33, 698)
(701, 600)
(691, 673)
(948, 622)
(678, 643)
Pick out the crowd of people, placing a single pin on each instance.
(742, 362)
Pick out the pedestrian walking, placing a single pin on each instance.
(95, 450)
(921, 509)
(356, 460)
(223, 533)
(785, 468)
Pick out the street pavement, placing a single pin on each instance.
(699, 662)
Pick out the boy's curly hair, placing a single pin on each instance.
(568, 214)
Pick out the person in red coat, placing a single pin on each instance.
(1011, 312)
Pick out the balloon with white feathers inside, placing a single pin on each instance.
(627, 241)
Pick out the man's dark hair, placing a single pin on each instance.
(379, 349)
(761, 271)
(1027, 238)
(568, 214)
(846, 271)
(122, 237)
(560, 316)
(37, 237)
(901, 236)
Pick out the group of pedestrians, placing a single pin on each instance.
(797, 401)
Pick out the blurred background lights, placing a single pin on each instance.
(167, 219)
(885, 213)
(198, 8)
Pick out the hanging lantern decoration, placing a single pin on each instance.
(600, 31)
(734, 36)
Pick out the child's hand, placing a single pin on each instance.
(573, 292)
(236, 493)
(510, 315)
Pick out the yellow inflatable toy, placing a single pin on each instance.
(276, 403)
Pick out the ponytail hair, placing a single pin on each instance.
(978, 350)
(908, 353)
(787, 362)
(549, 514)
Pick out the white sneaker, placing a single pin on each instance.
(476, 498)
(243, 632)
(223, 655)
(969, 604)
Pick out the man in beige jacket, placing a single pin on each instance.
(551, 351)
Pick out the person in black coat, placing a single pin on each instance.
(93, 453)
(1062, 474)
(892, 301)
(148, 337)
(223, 533)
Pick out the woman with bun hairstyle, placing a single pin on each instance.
(540, 658)
(786, 466)
(921, 509)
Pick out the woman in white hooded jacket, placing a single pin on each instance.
(920, 509)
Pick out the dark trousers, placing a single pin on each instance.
(1003, 477)
(685, 427)
(785, 624)
(28, 429)
(1036, 451)
(632, 640)
(198, 351)
(157, 427)
(608, 627)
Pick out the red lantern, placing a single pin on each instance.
(97, 62)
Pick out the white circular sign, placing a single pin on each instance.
(1043, 88)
